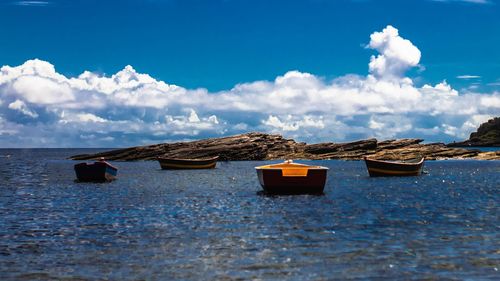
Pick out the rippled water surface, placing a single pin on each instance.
(215, 224)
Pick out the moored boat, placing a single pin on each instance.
(385, 168)
(178, 163)
(292, 178)
(98, 171)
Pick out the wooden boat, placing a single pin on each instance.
(292, 178)
(99, 171)
(384, 168)
(178, 163)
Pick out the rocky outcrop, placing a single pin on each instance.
(259, 146)
(251, 146)
(431, 151)
(491, 155)
(334, 148)
(488, 134)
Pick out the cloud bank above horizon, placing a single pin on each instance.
(40, 107)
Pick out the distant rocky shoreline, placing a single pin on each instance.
(261, 146)
(488, 134)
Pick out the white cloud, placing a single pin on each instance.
(468, 76)
(20, 106)
(292, 123)
(130, 108)
(476, 1)
(88, 117)
(389, 126)
(32, 3)
(213, 119)
(40, 90)
(491, 102)
(396, 54)
(466, 1)
(193, 117)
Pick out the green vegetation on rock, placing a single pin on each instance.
(488, 134)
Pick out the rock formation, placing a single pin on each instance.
(488, 134)
(259, 146)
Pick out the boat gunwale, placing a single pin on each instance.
(159, 158)
(93, 163)
(396, 162)
(111, 166)
(269, 167)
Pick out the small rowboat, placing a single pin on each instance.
(385, 168)
(177, 163)
(99, 171)
(292, 178)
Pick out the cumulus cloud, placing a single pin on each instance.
(292, 123)
(41, 107)
(21, 107)
(396, 54)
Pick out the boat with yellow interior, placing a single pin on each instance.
(292, 178)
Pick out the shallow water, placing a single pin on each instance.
(216, 224)
(482, 148)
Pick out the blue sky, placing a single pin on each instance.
(212, 47)
(217, 44)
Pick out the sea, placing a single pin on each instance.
(153, 224)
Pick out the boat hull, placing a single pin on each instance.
(379, 168)
(274, 182)
(95, 172)
(181, 164)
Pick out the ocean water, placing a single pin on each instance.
(216, 224)
(483, 149)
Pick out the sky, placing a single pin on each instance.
(87, 73)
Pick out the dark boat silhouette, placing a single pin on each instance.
(179, 163)
(292, 178)
(99, 171)
(386, 168)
